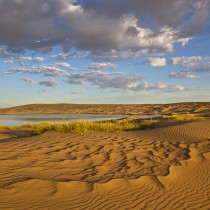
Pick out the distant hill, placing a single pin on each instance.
(166, 109)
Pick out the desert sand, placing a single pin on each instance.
(163, 168)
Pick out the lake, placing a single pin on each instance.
(14, 120)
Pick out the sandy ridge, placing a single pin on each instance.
(165, 109)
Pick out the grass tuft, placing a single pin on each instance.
(2, 127)
(184, 117)
(84, 127)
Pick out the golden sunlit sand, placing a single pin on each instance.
(164, 168)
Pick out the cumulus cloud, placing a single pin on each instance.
(175, 88)
(48, 82)
(39, 59)
(189, 62)
(17, 70)
(203, 68)
(70, 56)
(183, 75)
(157, 62)
(103, 80)
(63, 64)
(100, 66)
(9, 61)
(100, 26)
(29, 80)
(26, 58)
(192, 66)
(184, 41)
(147, 86)
(52, 71)
(45, 70)
(121, 81)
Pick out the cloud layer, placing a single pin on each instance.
(105, 44)
(100, 26)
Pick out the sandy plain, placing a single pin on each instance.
(164, 168)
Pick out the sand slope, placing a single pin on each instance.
(164, 168)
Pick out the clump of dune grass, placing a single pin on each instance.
(2, 127)
(27, 125)
(84, 127)
(148, 124)
(185, 117)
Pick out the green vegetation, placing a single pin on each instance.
(83, 127)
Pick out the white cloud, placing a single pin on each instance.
(45, 70)
(29, 80)
(18, 70)
(63, 64)
(193, 66)
(9, 61)
(26, 58)
(163, 87)
(70, 56)
(190, 62)
(50, 71)
(49, 82)
(39, 59)
(105, 80)
(184, 41)
(100, 66)
(157, 62)
(183, 75)
(121, 81)
(159, 85)
(178, 88)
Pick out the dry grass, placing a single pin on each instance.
(185, 117)
(2, 127)
(83, 127)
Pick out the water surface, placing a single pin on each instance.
(14, 120)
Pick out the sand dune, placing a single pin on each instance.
(164, 168)
(201, 108)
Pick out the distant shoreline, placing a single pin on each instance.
(129, 109)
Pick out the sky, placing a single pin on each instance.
(104, 51)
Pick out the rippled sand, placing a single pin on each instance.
(164, 168)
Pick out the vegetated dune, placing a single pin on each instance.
(163, 168)
(165, 109)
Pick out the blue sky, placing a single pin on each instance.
(104, 51)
